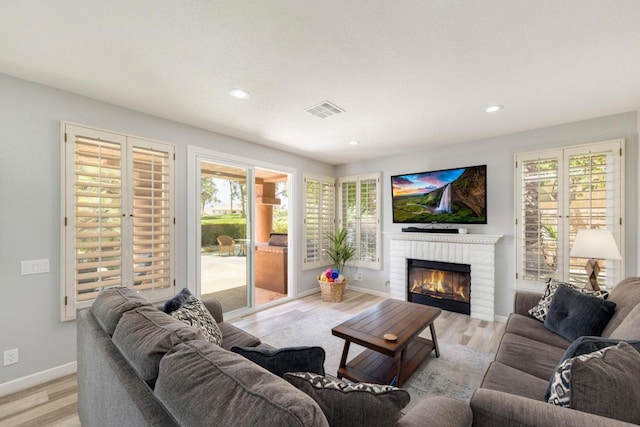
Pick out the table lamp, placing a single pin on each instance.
(594, 245)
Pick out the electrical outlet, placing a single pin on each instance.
(11, 357)
(358, 277)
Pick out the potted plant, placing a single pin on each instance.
(332, 281)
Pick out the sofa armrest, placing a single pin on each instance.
(524, 301)
(437, 411)
(495, 408)
(215, 308)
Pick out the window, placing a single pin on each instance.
(118, 216)
(319, 219)
(359, 213)
(559, 192)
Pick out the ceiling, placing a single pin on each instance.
(409, 74)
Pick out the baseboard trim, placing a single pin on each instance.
(500, 319)
(369, 291)
(38, 378)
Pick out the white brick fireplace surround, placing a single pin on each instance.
(476, 250)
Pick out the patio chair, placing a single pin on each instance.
(226, 244)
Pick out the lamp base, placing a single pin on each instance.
(592, 268)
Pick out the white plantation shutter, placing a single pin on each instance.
(152, 216)
(559, 192)
(319, 219)
(95, 212)
(539, 219)
(359, 213)
(118, 210)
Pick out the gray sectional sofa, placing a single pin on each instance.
(513, 390)
(138, 366)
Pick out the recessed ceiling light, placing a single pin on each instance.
(238, 93)
(494, 108)
(354, 142)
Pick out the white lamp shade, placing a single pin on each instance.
(597, 244)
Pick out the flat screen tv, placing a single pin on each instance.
(449, 196)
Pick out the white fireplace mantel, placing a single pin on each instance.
(476, 250)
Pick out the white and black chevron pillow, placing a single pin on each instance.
(194, 313)
(322, 382)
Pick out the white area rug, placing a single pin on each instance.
(456, 373)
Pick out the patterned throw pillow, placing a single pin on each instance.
(194, 313)
(604, 382)
(346, 404)
(542, 308)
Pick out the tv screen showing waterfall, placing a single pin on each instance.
(450, 196)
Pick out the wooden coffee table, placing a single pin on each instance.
(385, 361)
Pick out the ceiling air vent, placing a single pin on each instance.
(325, 109)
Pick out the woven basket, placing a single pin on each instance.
(332, 292)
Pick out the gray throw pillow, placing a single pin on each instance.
(542, 307)
(586, 345)
(194, 313)
(604, 382)
(282, 360)
(573, 314)
(347, 405)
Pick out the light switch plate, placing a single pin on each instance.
(34, 266)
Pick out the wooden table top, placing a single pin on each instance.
(403, 319)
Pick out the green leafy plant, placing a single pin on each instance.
(340, 251)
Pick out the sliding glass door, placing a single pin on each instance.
(225, 233)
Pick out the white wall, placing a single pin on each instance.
(30, 203)
(497, 153)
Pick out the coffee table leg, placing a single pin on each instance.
(403, 357)
(343, 359)
(434, 339)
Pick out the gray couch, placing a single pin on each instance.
(138, 366)
(512, 392)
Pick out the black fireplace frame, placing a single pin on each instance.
(443, 303)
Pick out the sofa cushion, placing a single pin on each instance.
(629, 328)
(347, 405)
(626, 295)
(145, 335)
(282, 360)
(604, 382)
(530, 356)
(531, 328)
(234, 336)
(202, 384)
(194, 313)
(112, 303)
(510, 380)
(540, 310)
(573, 314)
(176, 302)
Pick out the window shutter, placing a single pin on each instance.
(151, 197)
(118, 209)
(319, 219)
(96, 215)
(558, 193)
(368, 220)
(539, 218)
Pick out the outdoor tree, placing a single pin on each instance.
(237, 191)
(208, 193)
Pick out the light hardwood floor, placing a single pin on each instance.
(55, 403)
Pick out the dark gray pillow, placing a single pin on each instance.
(112, 303)
(347, 405)
(586, 345)
(573, 314)
(282, 360)
(604, 382)
(176, 302)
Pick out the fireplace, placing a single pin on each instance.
(440, 284)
